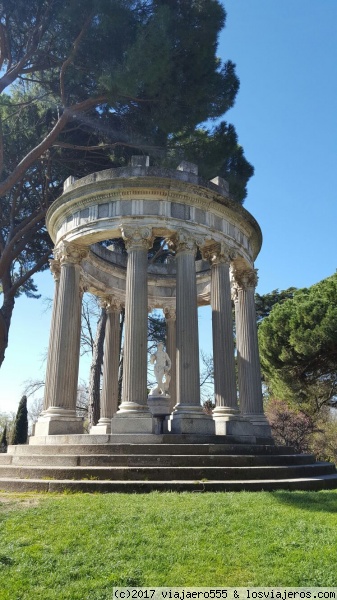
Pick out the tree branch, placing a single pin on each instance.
(36, 152)
(100, 146)
(1, 148)
(29, 274)
(26, 225)
(70, 58)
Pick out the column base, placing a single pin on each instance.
(185, 421)
(231, 422)
(103, 426)
(261, 426)
(58, 421)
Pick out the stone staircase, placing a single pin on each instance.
(143, 463)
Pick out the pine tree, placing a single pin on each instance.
(20, 431)
(3, 440)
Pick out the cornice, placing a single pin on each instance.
(86, 193)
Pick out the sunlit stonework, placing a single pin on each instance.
(214, 242)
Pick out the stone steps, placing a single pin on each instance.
(165, 463)
(185, 473)
(310, 483)
(152, 460)
(157, 449)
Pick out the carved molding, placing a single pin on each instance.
(137, 237)
(68, 253)
(110, 303)
(185, 241)
(243, 279)
(218, 253)
(55, 267)
(170, 313)
(84, 285)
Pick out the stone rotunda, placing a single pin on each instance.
(135, 447)
(139, 204)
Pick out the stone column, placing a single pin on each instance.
(60, 416)
(55, 268)
(228, 420)
(249, 371)
(133, 415)
(109, 396)
(171, 349)
(188, 416)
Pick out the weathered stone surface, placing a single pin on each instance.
(249, 372)
(139, 204)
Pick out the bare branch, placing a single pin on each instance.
(100, 146)
(32, 386)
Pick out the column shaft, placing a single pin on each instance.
(188, 416)
(134, 415)
(64, 377)
(135, 337)
(223, 343)
(55, 268)
(171, 349)
(60, 415)
(249, 370)
(188, 372)
(109, 397)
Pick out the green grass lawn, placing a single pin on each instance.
(78, 546)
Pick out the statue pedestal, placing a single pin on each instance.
(159, 405)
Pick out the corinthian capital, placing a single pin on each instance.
(244, 278)
(110, 303)
(137, 237)
(185, 241)
(170, 313)
(55, 268)
(218, 253)
(69, 253)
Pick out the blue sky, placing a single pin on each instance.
(285, 115)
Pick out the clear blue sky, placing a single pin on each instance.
(285, 115)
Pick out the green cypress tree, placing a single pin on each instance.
(3, 440)
(20, 431)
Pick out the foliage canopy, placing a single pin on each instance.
(298, 346)
(86, 84)
(20, 429)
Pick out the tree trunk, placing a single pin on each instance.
(96, 371)
(6, 312)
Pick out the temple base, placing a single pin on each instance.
(261, 427)
(58, 421)
(103, 426)
(132, 423)
(234, 425)
(189, 422)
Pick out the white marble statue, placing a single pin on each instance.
(162, 366)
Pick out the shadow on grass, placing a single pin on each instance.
(322, 501)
